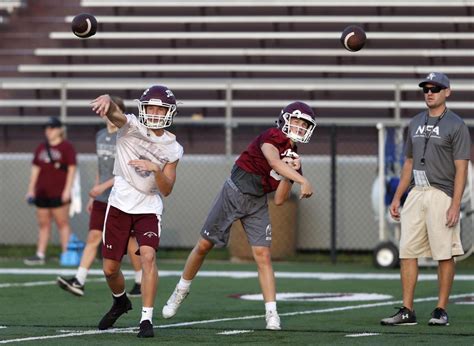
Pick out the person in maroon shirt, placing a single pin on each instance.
(270, 163)
(49, 189)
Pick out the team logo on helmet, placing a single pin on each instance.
(157, 95)
(297, 110)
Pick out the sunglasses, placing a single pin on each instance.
(434, 89)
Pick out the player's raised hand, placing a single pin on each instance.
(101, 104)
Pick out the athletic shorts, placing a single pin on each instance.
(423, 226)
(118, 229)
(96, 220)
(231, 205)
(48, 202)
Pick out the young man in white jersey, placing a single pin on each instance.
(96, 207)
(145, 169)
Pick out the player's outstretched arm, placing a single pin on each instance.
(104, 106)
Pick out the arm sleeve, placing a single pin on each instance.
(462, 143)
(36, 156)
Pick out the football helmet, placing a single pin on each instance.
(157, 95)
(299, 110)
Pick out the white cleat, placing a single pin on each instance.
(173, 303)
(273, 320)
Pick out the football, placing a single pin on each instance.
(353, 38)
(84, 25)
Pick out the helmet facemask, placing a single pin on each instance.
(156, 121)
(294, 132)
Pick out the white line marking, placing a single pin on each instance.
(361, 334)
(233, 332)
(2, 327)
(242, 274)
(319, 297)
(40, 283)
(191, 323)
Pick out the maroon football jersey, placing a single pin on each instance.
(52, 178)
(253, 161)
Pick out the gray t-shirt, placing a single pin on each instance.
(450, 140)
(106, 147)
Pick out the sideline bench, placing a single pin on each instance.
(436, 36)
(279, 19)
(251, 52)
(276, 3)
(231, 68)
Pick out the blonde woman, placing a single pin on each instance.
(49, 189)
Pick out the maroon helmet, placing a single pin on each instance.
(157, 95)
(299, 110)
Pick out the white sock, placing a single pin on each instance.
(40, 254)
(271, 306)
(118, 295)
(147, 314)
(138, 277)
(184, 284)
(81, 275)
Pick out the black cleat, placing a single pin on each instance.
(121, 306)
(136, 291)
(146, 330)
(71, 285)
(34, 261)
(404, 317)
(439, 317)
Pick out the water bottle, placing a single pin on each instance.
(75, 248)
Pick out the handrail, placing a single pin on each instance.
(239, 103)
(230, 103)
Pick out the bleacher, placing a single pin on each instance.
(233, 59)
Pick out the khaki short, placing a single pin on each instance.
(424, 232)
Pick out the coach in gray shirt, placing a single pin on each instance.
(435, 170)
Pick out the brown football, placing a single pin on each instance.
(353, 38)
(84, 25)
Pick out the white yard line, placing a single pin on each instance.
(242, 274)
(361, 334)
(191, 323)
(233, 332)
(40, 283)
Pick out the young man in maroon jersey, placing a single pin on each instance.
(270, 163)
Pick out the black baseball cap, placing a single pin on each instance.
(53, 122)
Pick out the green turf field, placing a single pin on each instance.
(35, 311)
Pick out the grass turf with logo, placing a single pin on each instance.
(35, 309)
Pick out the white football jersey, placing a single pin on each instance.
(135, 191)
